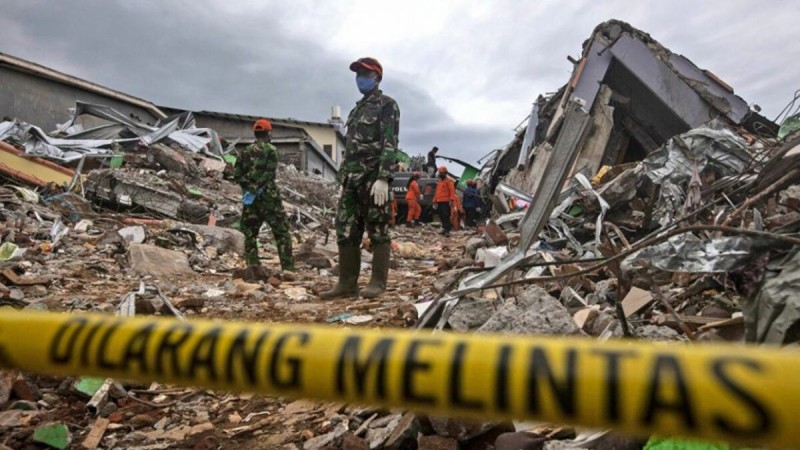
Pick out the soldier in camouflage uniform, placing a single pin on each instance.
(365, 174)
(255, 172)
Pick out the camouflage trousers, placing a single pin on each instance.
(270, 210)
(357, 212)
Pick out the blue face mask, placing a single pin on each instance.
(366, 84)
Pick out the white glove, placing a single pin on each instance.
(380, 191)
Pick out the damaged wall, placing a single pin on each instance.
(295, 144)
(38, 98)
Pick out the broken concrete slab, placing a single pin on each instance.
(657, 333)
(352, 442)
(472, 246)
(495, 234)
(158, 262)
(535, 312)
(380, 430)
(325, 440)
(212, 165)
(471, 313)
(584, 317)
(16, 418)
(133, 234)
(172, 159)
(226, 240)
(404, 434)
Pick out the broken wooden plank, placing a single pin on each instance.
(722, 323)
(24, 280)
(96, 434)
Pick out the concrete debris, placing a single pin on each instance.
(133, 234)
(490, 257)
(471, 313)
(158, 262)
(536, 312)
(112, 215)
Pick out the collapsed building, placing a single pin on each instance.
(636, 146)
(638, 95)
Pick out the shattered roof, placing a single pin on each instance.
(705, 83)
(245, 117)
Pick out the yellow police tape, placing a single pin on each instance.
(733, 393)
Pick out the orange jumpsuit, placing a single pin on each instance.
(412, 199)
(455, 214)
(444, 197)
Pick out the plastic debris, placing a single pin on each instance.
(55, 435)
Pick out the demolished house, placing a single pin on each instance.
(639, 146)
(638, 94)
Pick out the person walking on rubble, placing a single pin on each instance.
(255, 172)
(413, 197)
(445, 198)
(365, 174)
(471, 201)
(430, 165)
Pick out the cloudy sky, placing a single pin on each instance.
(463, 72)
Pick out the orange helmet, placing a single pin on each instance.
(442, 169)
(369, 64)
(262, 125)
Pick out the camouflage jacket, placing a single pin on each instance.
(256, 167)
(371, 141)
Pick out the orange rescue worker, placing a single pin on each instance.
(413, 197)
(456, 213)
(445, 198)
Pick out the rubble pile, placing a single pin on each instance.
(613, 260)
(64, 252)
(115, 264)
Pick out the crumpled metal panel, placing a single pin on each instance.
(603, 206)
(773, 315)
(121, 131)
(574, 131)
(671, 166)
(680, 254)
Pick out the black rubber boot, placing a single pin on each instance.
(349, 268)
(380, 271)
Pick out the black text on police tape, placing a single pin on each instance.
(252, 357)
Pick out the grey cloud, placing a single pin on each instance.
(165, 53)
